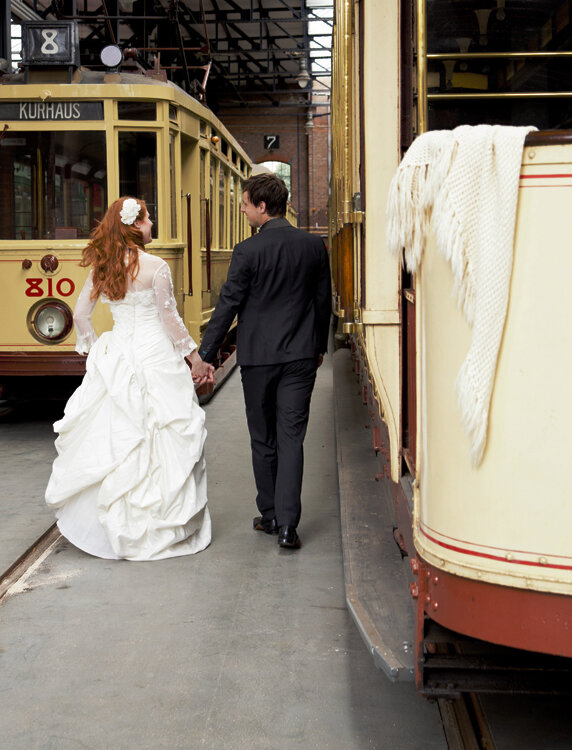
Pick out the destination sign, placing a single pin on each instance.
(51, 111)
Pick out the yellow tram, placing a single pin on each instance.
(73, 140)
(488, 540)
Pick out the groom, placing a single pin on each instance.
(279, 285)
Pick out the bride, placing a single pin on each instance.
(129, 480)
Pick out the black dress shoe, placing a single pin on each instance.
(268, 525)
(287, 537)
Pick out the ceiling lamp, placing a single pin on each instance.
(303, 77)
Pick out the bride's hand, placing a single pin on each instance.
(202, 372)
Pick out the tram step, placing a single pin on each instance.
(376, 578)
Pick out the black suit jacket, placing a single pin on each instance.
(279, 285)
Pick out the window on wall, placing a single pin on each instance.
(283, 170)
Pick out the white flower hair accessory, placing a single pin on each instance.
(129, 211)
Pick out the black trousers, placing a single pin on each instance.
(277, 399)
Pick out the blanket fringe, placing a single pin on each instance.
(474, 413)
(452, 245)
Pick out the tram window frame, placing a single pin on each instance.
(134, 187)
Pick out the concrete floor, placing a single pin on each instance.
(26, 455)
(241, 646)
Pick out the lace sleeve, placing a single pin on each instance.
(86, 336)
(174, 326)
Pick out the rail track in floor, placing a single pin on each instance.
(35, 552)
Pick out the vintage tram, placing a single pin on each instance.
(489, 543)
(71, 141)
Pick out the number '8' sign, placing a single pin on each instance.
(48, 43)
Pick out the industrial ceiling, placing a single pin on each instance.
(225, 52)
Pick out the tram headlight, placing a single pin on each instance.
(50, 321)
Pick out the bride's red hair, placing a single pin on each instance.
(113, 252)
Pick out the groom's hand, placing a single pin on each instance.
(202, 372)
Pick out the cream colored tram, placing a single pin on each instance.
(72, 142)
(489, 545)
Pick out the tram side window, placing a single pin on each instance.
(174, 201)
(54, 184)
(212, 183)
(231, 218)
(133, 110)
(203, 199)
(221, 207)
(138, 170)
(517, 60)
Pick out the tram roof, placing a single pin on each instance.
(230, 52)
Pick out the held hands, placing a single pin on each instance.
(202, 372)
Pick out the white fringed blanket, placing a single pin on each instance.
(463, 184)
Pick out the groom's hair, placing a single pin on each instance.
(270, 189)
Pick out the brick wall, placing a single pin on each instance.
(303, 144)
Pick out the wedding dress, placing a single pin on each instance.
(129, 480)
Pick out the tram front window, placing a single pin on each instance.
(54, 184)
(138, 170)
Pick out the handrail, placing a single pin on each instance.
(548, 138)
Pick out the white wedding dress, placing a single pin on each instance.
(129, 480)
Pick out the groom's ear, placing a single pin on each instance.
(262, 207)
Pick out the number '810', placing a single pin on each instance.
(36, 287)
